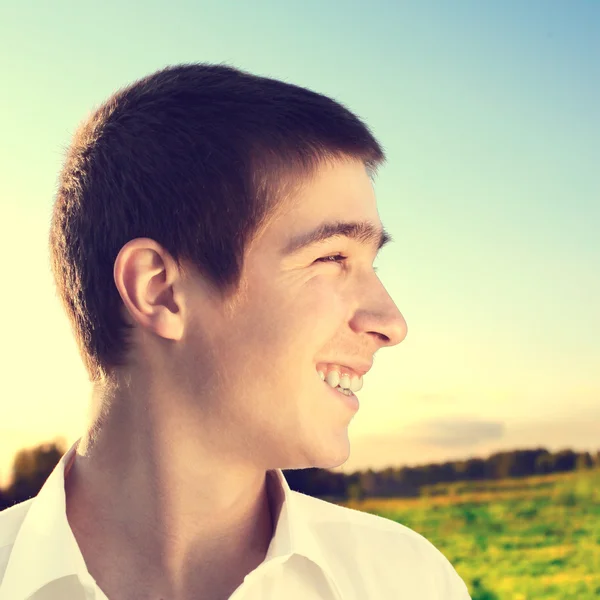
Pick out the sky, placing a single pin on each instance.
(489, 114)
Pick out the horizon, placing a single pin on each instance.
(594, 453)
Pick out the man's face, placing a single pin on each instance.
(254, 371)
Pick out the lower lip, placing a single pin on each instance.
(350, 401)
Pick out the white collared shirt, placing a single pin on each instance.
(319, 551)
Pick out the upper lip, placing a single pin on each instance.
(359, 368)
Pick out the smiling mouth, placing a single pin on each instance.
(342, 391)
(354, 384)
(348, 398)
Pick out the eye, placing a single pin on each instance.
(339, 258)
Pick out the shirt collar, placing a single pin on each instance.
(45, 548)
(46, 542)
(295, 529)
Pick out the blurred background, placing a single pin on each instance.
(489, 114)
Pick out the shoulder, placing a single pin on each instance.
(10, 522)
(390, 554)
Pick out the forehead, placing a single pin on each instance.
(338, 192)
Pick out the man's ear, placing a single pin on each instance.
(148, 279)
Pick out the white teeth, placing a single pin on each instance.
(346, 381)
(333, 378)
(357, 383)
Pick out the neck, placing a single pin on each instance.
(151, 500)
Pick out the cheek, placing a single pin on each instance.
(286, 322)
(324, 303)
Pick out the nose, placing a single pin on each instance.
(379, 316)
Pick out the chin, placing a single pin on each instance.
(332, 457)
(334, 463)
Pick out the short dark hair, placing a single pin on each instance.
(197, 157)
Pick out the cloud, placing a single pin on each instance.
(459, 438)
(435, 440)
(454, 432)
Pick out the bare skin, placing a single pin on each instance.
(167, 496)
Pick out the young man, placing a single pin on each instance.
(212, 242)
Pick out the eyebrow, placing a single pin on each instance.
(363, 232)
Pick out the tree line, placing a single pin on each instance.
(409, 481)
(31, 467)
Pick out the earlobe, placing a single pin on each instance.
(168, 324)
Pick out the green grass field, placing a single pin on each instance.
(514, 539)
